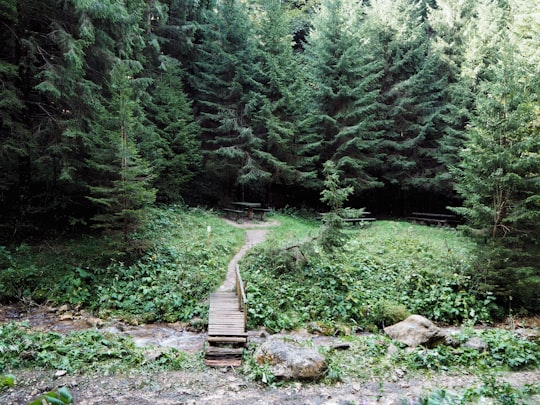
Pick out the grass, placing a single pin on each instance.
(383, 272)
(169, 281)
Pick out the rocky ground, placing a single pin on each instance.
(225, 386)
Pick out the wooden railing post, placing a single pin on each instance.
(242, 300)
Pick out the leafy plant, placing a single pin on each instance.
(166, 283)
(505, 351)
(7, 381)
(382, 274)
(59, 397)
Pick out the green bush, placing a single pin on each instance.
(169, 281)
(381, 275)
(504, 351)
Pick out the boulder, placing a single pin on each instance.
(477, 344)
(289, 361)
(416, 330)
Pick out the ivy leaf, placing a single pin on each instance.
(7, 380)
(65, 395)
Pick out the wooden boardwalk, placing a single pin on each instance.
(227, 332)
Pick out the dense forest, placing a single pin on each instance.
(108, 107)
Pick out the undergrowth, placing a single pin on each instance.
(82, 351)
(376, 357)
(382, 274)
(169, 281)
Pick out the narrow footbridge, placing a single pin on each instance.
(227, 326)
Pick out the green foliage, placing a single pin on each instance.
(174, 152)
(334, 195)
(168, 282)
(171, 281)
(122, 186)
(381, 274)
(497, 177)
(500, 391)
(58, 397)
(7, 381)
(80, 351)
(75, 351)
(377, 357)
(504, 351)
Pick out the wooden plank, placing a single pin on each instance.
(226, 326)
(223, 363)
(224, 318)
(225, 351)
(227, 339)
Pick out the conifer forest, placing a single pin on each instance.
(111, 106)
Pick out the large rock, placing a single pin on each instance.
(416, 330)
(477, 344)
(289, 361)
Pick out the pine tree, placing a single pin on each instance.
(449, 21)
(175, 150)
(223, 85)
(272, 107)
(334, 195)
(123, 178)
(411, 90)
(343, 71)
(498, 175)
(15, 140)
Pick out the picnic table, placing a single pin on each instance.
(250, 207)
(433, 218)
(360, 220)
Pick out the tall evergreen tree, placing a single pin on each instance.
(272, 104)
(343, 72)
(449, 21)
(123, 178)
(223, 83)
(411, 91)
(500, 169)
(175, 150)
(15, 146)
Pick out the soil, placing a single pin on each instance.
(209, 385)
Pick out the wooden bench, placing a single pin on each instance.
(230, 211)
(428, 218)
(355, 221)
(261, 212)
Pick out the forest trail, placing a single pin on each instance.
(255, 234)
(227, 333)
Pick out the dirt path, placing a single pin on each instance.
(255, 233)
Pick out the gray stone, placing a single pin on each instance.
(477, 344)
(289, 361)
(416, 330)
(529, 334)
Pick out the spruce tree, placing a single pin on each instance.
(175, 149)
(122, 178)
(410, 90)
(343, 72)
(222, 80)
(272, 105)
(498, 175)
(15, 139)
